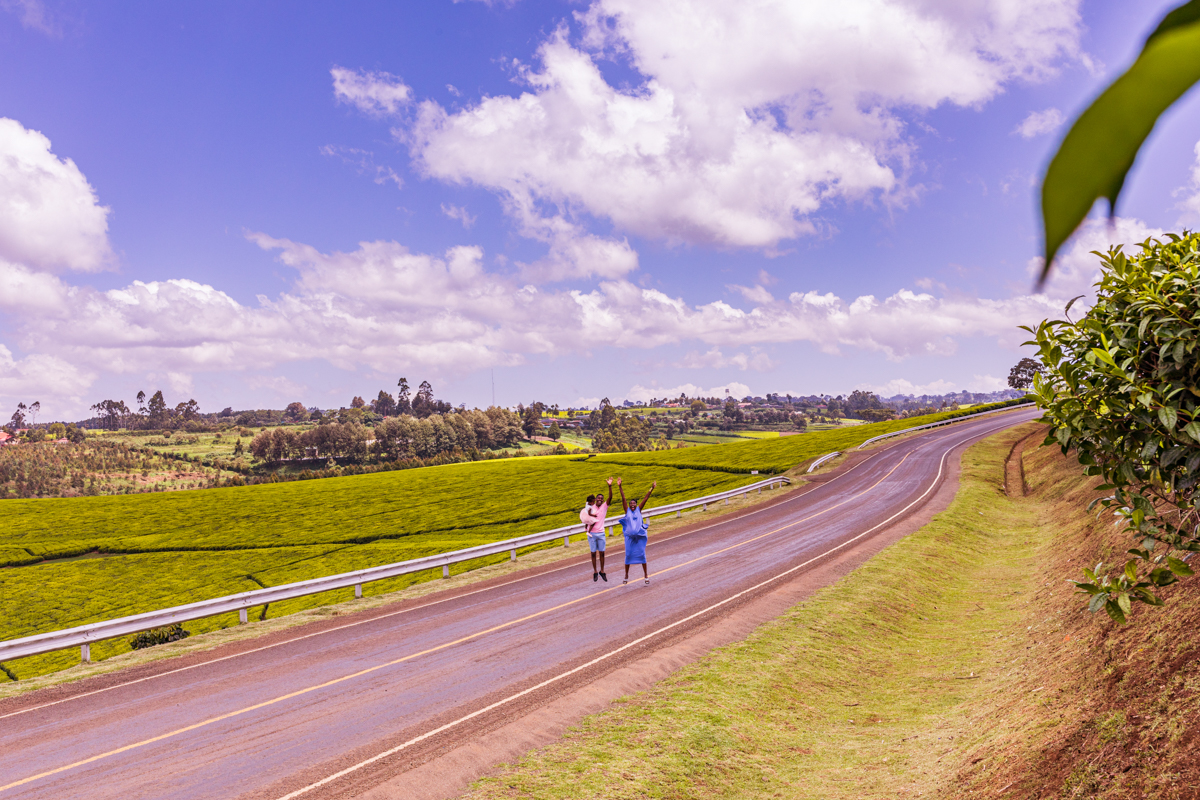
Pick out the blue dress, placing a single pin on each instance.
(635, 536)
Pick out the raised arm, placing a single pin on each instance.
(646, 499)
(624, 502)
(609, 501)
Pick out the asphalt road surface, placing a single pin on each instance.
(335, 711)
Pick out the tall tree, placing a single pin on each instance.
(422, 404)
(158, 415)
(1021, 376)
(403, 403)
(383, 405)
(18, 417)
(295, 412)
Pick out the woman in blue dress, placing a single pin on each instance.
(635, 530)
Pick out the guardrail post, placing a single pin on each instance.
(358, 591)
(445, 570)
(704, 507)
(566, 541)
(513, 555)
(85, 654)
(726, 501)
(677, 513)
(242, 618)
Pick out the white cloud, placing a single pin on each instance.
(715, 359)
(755, 294)
(1040, 122)
(459, 213)
(641, 394)
(33, 15)
(1190, 204)
(49, 216)
(364, 163)
(1077, 268)
(57, 384)
(987, 383)
(745, 124)
(376, 93)
(903, 386)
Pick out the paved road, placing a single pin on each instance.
(337, 712)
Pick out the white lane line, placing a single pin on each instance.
(443, 728)
(715, 523)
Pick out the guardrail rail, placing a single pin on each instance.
(84, 636)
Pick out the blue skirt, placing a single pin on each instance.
(635, 549)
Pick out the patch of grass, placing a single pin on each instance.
(857, 692)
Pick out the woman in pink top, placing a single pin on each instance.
(592, 517)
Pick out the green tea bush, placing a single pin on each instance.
(156, 636)
(1122, 390)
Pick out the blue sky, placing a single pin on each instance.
(255, 203)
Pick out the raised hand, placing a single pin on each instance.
(618, 481)
(610, 481)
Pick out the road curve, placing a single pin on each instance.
(348, 708)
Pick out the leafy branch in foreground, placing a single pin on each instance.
(1121, 388)
(1099, 150)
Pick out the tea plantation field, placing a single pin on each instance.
(77, 560)
(775, 455)
(117, 555)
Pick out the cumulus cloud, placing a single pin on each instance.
(388, 308)
(744, 124)
(38, 376)
(376, 93)
(50, 218)
(1078, 267)
(1040, 122)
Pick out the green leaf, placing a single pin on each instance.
(1115, 611)
(1101, 146)
(1097, 602)
(1192, 429)
(1125, 603)
(1178, 567)
(1168, 417)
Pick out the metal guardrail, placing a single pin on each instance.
(821, 461)
(943, 422)
(84, 636)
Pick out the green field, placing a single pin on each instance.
(112, 556)
(144, 552)
(775, 455)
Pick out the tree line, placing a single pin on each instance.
(394, 438)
